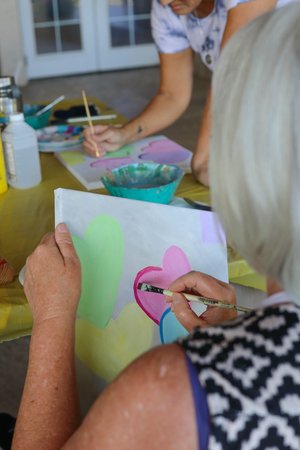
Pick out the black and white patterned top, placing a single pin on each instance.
(249, 370)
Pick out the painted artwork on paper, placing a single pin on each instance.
(121, 243)
(175, 264)
(158, 149)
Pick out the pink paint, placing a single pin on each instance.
(164, 152)
(111, 163)
(175, 264)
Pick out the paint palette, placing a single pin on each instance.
(59, 138)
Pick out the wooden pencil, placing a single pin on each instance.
(88, 116)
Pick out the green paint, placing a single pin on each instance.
(101, 253)
(108, 351)
(72, 158)
(126, 150)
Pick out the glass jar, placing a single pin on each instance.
(10, 97)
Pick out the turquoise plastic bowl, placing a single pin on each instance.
(149, 182)
(34, 121)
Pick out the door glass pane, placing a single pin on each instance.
(68, 9)
(142, 32)
(119, 32)
(42, 11)
(70, 38)
(141, 6)
(57, 25)
(45, 40)
(118, 8)
(130, 22)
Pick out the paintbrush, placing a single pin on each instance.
(47, 107)
(192, 298)
(88, 115)
(93, 118)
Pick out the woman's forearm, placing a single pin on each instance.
(49, 411)
(171, 100)
(162, 111)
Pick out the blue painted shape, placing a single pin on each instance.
(169, 328)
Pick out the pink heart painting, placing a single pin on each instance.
(164, 151)
(175, 264)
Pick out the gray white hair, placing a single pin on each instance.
(255, 155)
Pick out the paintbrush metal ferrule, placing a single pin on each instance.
(149, 288)
(192, 298)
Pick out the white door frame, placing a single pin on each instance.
(62, 63)
(120, 57)
(97, 52)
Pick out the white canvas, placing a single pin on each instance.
(117, 239)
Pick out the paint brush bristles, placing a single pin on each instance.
(192, 298)
(88, 116)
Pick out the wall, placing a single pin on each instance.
(11, 51)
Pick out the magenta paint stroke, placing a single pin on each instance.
(211, 229)
(175, 264)
(111, 163)
(164, 151)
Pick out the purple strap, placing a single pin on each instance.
(201, 407)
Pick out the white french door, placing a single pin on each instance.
(58, 37)
(125, 40)
(62, 37)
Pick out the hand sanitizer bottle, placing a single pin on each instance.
(21, 153)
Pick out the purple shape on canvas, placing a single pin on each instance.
(211, 229)
(111, 163)
(164, 151)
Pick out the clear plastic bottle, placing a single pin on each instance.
(21, 153)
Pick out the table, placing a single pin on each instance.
(26, 215)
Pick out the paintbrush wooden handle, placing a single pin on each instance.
(88, 116)
(193, 298)
(208, 301)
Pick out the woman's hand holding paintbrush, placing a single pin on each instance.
(208, 289)
(204, 285)
(107, 138)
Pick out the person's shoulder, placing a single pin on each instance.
(168, 29)
(163, 13)
(139, 408)
(229, 4)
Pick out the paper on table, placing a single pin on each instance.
(158, 149)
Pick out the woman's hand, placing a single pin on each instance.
(201, 284)
(107, 139)
(53, 277)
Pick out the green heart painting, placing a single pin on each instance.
(104, 344)
(101, 253)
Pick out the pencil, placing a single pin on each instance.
(88, 115)
(192, 298)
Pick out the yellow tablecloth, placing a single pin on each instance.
(26, 215)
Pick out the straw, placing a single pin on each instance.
(47, 107)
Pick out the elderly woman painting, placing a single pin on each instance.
(234, 385)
